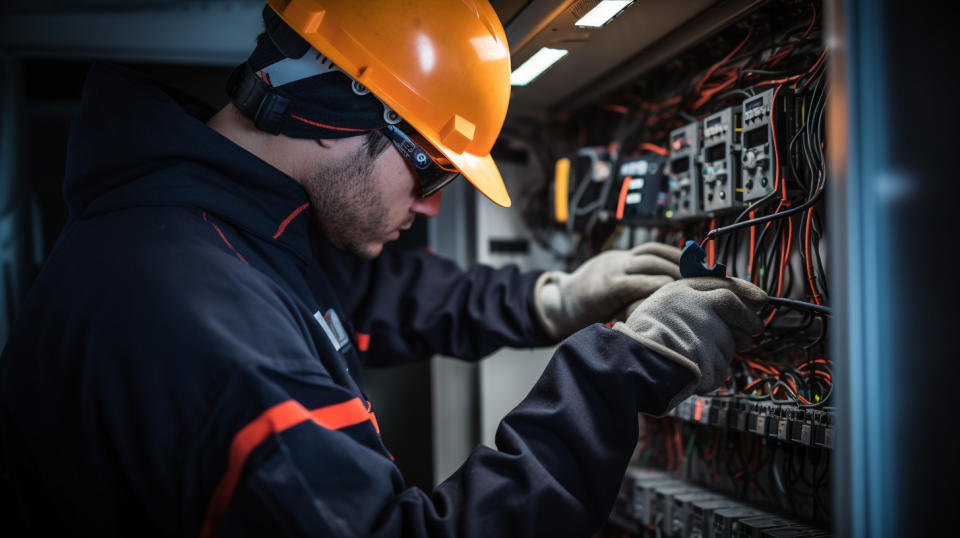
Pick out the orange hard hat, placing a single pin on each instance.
(442, 65)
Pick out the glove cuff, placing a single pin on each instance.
(669, 354)
(548, 303)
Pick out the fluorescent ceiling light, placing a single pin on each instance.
(602, 13)
(538, 63)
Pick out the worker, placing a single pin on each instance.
(188, 361)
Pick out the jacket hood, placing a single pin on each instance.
(132, 144)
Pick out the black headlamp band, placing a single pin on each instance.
(275, 111)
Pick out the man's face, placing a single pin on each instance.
(359, 202)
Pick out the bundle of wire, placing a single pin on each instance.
(807, 384)
(787, 477)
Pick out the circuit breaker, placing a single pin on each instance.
(761, 147)
(684, 186)
(721, 160)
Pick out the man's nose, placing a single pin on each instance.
(427, 206)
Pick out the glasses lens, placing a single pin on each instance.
(434, 170)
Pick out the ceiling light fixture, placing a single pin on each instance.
(537, 64)
(602, 13)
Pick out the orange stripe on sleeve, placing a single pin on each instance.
(278, 418)
(341, 415)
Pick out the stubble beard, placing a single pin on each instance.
(347, 207)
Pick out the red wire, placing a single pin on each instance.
(731, 77)
(776, 149)
(712, 450)
(814, 66)
(809, 262)
(784, 258)
(619, 109)
(750, 386)
(813, 19)
(714, 67)
(776, 168)
(768, 369)
(670, 456)
(780, 80)
(654, 148)
(753, 241)
(711, 250)
(679, 442)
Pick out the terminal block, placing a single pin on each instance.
(785, 422)
(763, 127)
(684, 184)
(721, 160)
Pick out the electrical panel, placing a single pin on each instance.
(589, 179)
(640, 196)
(725, 145)
(684, 185)
(721, 160)
(761, 147)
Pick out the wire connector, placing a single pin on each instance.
(691, 263)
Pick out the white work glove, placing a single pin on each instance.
(603, 287)
(698, 322)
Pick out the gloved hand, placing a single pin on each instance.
(698, 322)
(603, 286)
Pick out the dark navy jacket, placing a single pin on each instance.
(171, 373)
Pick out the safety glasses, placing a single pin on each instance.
(434, 171)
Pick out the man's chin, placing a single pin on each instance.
(371, 251)
(366, 251)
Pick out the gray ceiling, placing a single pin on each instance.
(221, 32)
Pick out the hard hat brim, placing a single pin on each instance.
(482, 173)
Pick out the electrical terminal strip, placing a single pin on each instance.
(656, 501)
(789, 423)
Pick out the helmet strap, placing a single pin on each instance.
(284, 38)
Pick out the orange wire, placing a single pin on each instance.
(711, 248)
(669, 441)
(754, 382)
(619, 109)
(768, 370)
(809, 262)
(813, 19)
(679, 442)
(726, 58)
(753, 241)
(784, 258)
(654, 149)
(712, 450)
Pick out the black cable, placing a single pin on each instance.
(730, 93)
(755, 205)
(783, 302)
(767, 72)
(712, 234)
